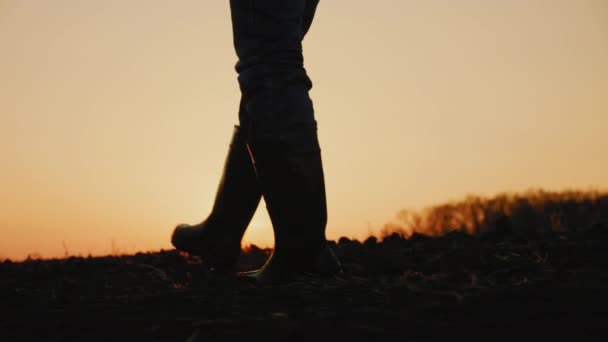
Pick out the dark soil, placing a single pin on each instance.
(498, 288)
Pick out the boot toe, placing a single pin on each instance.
(178, 233)
(184, 238)
(219, 251)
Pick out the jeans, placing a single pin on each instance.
(275, 104)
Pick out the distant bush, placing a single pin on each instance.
(535, 211)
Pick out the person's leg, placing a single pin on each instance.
(309, 14)
(282, 129)
(218, 238)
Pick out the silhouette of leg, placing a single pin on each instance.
(218, 238)
(283, 132)
(309, 14)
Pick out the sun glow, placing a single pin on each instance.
(259, 231)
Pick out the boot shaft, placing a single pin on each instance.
(238, 194)
(291, 177)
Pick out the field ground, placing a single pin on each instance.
(494, 288)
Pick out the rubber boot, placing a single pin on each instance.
(218, 238)
(292, 181)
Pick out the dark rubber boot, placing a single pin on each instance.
(292, 181)
(218, 238)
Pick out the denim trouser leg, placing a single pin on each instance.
(268, 35)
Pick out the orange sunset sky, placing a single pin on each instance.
(116, 115)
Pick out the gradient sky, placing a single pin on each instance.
(116, 115)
